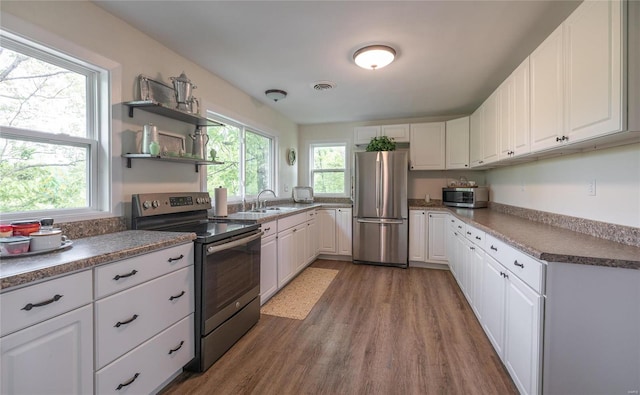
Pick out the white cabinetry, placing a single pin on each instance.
(514, 113)
(135, 314)
(327, 230)
(437, 247)
(457, 143)
(427, 146)
(476, 135)
(491, 128)
(399, 133)
(268, 261)
(296, 247)
(362, 135)
(344, 223)
(56, 354)
(417, 235)
(576, 78)
(312, 236)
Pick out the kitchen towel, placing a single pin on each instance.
(220, 201)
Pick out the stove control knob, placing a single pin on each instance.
(210, 250)
(155, 204)
(146, 204)
(199, 200)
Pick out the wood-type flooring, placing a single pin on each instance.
(375, 330)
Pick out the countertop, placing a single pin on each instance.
(86, 253)
(546, 242)
(271, 215)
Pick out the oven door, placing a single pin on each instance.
(230, 278)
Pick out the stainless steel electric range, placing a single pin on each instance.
(227, 268)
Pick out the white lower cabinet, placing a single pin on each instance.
(297, 245)
(494, 296)
(53, 357)
(427, 236)
(417, 235)
(344, 223)
(268, 261)
(335, 229)
(327, 230)
(437, 246)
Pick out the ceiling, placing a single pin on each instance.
(451, 54)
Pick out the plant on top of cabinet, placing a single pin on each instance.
(381, 143)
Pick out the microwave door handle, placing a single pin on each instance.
(235, 243)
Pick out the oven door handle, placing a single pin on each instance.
(235, 243)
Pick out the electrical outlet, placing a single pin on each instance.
(591, 187)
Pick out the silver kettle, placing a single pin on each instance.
(200, 140)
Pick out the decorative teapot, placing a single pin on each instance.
(200, 140)
(183, 88)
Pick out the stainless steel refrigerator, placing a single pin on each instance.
(380, 213)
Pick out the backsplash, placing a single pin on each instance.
(618, 233)
(80, 229)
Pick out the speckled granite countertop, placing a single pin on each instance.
(287, 210)
(86, 253)
(546, 242)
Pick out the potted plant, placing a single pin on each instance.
(382, 143)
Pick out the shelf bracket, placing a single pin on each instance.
(131, 112)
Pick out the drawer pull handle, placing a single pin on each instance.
(121, 386)
(505, 275)
(472, 248)
(459, 227)
(478, 238)
(130, 320)
(521, 265)
(177, 296)
(267, 229)
(177, 348)
(493, 248)
(29, 306)
(176, 259)
(119, 276)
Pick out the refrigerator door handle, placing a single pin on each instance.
(380, 221)
(378, 183)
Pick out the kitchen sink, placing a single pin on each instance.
(269, 210)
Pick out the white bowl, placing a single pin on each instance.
(46, 240)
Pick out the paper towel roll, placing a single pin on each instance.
(220, 201)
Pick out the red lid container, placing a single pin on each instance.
(6, 230)
(25, 228)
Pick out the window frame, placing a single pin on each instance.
(99, 72)
(346, 170)
(244, 128)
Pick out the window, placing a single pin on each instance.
(247, 156)
(329, 169)
(50, 112)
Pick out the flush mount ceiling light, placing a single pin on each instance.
(374, 56)
(275, 94)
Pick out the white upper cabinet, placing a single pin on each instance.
(364, 134)
(457, 143)
(426, 150)
(576, 78)
(476, 135)
(399, 133)
(593, 54)
(491, 128)
(546, 93)
(514, 113)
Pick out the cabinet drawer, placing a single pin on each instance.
(117, 276)
(457, 224)
(311, 214)
(291, 221)
(153, 362)
(527, 268)
(19, 309)
(269, 228)
(117, 331)
(475, 236)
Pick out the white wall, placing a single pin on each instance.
(420, 183)
(86, 25)
(559, 185)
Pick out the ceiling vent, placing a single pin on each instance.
(323, 85)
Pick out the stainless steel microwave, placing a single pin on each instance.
(471, 197)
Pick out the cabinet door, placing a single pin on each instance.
(476, 133)
(400, 133)
(427, 148)
(476, 261)
(491, 128)
(300, 244)
(312, 241)
(327, 230)
(521, 128)
(547, 92)
(593, 92)
(268, 268)
(286, 257)
(523, 335)
(437, 249)
(343, 230)
(53, 357)
(506, 93)
(457, 143)
(452, 251)
(364, 134)
(417, 235)
(493, 302)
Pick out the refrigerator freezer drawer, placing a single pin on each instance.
(380, 242)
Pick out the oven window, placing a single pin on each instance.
(228, 275)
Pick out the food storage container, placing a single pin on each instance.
(24, 228)
(46, 239)
(6, 230)
(14, 245)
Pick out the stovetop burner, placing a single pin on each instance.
(213, 231)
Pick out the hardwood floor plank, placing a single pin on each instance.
(375, 330)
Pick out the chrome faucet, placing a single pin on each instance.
(264, 203)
